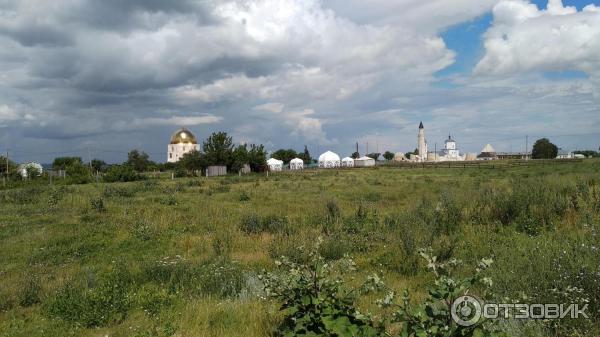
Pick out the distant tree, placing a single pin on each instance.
(192, 161)
(139, 160)
(588, 153)
(374, 155)
(415, 152)
(61, 163)
(305, 156)
(355, 155)
(218, 149)
(12, 167)
(257, 157)
(388, 155)
(32, 172)
(239, 158)
(285, 155)
(98, 165)
(544, 149)
(78, 173)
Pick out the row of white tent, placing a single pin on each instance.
(326, 160)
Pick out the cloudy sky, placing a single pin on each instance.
(109, 76)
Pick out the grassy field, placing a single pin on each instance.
(181, 257)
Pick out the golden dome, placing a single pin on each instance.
(183, 136)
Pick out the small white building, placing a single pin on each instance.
(329, 160)
(33, 167)
(563, 154)
(182, 142)
(400, 156)
(296, 164)
(347, 162)
(487, 153)
(275, 165)
(364, 162)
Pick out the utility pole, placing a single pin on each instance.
(357, 153)
(7, 166)
(526, 147)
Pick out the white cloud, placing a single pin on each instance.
(524, 38)
(176, 121)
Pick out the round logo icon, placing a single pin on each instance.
(466, 311)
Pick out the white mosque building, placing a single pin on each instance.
(450, 151)
(182, 142)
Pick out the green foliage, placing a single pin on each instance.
(61, 163)
(29, 291)
(315, 299)
(544, 149)
(254, 224)
(285, 155)
(97, 205)
(122, 173)
(240, 157)
(388, 155)
(98, 165)
(218, 149)
(305, 156)
(78, 173)
(257, 157)
(434, 317)
(139, 160)
(94, 306)
(374, 155)
(192, 161)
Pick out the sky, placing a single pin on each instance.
(99, 78)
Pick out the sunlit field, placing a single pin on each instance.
(183, 257)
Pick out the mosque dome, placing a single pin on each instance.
(183, 136)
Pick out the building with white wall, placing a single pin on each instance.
(182, 142)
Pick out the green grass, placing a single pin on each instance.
(180, 257)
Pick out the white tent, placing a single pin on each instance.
(347, 162)
(296, 164)
(364, 162)
(275, 164)
(488, 149)
(329, 160)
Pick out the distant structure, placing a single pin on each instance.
(32, 167)
(275, 165)
(296, 164)
(450, 152)
(487, 153)
(421, 144)
(329, 160)
(364, 162)
(347, 162)
(215, 171)
(564, 154)
(400, 156)
(182, 142)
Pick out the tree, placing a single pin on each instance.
(388, 155)
(218, 149)
(374, 155)
(138, 160)
(239, 158)
(305, 156)
(355, 155)
(98, 165)
(587, 153)
(544, 149)
(121, 173)
(61, 163)
(12, 167)
(415, 152)
(285, 155)
(192, 161)
(257, 157)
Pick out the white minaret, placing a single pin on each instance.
(422, 144)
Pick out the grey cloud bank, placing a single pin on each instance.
(117, 75)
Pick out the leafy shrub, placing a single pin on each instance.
(251, 224)
(315, 301)
(97, 205)
(244, 196)
(152, 299)
(122, 173)
(29, 291)
(93, 307)
(223, 242)
(254, 224)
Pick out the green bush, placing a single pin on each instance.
(98, 306)
(122, 173)
(29, 290)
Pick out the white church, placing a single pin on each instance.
(182, 142)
